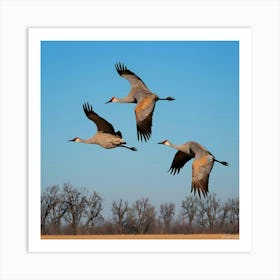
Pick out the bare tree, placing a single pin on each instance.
(233, 224)
(190, 208)
(234, 211)
(76, 200)
(209, 209)
(46, 205)
(52, 210)
(77, 211)
(224, 213)
(131, 221)
(92, 210)
(167, 212)
(229, 216)
(144, 214)
(120, 214)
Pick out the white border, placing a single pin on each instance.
(243, 35)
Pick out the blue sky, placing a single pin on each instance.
(203, 77)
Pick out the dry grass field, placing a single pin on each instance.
(144, 236)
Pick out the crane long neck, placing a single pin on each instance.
(86, 141)
(126, 99)
(182, 148)
(176, 147)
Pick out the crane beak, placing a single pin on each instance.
(72, 140)
(111, 100)
(163, 142)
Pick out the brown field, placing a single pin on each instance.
(144, 236)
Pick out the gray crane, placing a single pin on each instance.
(201, 166)
(145, 99)
(106, 136)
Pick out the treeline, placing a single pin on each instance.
(71, 210)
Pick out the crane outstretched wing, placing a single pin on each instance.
(144, 116)
(134, 80)
(101, 124)
(201, 169)
(180, 159)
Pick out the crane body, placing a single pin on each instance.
(105, 136)
(105, 140)
(143, 97)
(201, 167)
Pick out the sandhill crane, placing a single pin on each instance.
(106, 136)
(201, 167)
(145, 99)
